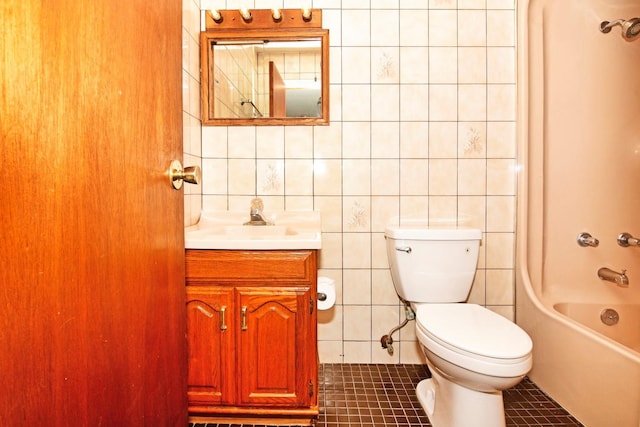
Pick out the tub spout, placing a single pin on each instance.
(609, 275)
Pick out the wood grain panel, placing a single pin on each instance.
(265, 266)
(92, 316)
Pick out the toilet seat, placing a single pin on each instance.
(474, 338)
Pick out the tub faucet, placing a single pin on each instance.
(626, 239)
(585, 239)
(619, 279)
(255, 214)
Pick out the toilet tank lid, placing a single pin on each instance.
(426, 233)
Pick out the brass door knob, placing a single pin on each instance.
(178, 175)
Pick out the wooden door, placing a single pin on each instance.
(211, 327)
(273, 338)
(277, 92)
(92, 305)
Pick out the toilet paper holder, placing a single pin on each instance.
(325, 293)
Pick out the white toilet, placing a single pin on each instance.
(473, 353)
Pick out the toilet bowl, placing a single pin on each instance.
(473, 353)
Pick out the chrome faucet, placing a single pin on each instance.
(626, 239)
(585, 239)
(609, 275)
(255, 214)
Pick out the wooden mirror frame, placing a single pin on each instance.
(237, 30)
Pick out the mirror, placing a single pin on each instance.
(264, 76)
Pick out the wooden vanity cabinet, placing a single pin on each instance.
(252, 334)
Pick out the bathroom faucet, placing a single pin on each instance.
(619, 279)
(585, 239)
(626, 239)
(256, 215)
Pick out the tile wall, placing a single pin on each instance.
(422, 124)
(192, 130)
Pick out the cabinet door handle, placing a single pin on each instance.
(223, 325)
(243, 318)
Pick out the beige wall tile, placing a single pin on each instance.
(501, 102)
(327, 177)
(356, 102)
(443, 140)
(383, 208)
(411, 353)
(382, 289)
(443, 100)
(500, 250)
(330, 324)
(414, 176)
(413, 29)
(472, 29)
(414, 139)
(501, 177)
(330, 208)
(472, 65)
(384, 32)
(357, 287)
(356, 177)
(472, 103)
(443, 176)
(384, 177)
(356, 65)
(501, 65)
(385, 139)
(414, 102)
(356, 250)
(356, 28)
(443, 26)
(414, 64)
(356, 140)
(472, 177)
(385, 64)
(331, 252)
(500, 288)
(443, 65)
(357, 351)
(327, 141)
(331, 351)
(501, 28)
(385, 102)
(357, 323)
(298, 142)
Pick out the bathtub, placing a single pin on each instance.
(578, 171)
(619, 323)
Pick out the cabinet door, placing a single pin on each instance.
(273, 344)
(210, 336)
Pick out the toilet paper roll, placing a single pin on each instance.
(326, 287)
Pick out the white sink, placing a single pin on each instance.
(225, 230)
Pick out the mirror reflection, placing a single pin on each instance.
(262, 79)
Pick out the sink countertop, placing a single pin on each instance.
(225, 230)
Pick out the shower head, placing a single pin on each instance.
(630, 27)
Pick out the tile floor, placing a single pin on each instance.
(366, 395)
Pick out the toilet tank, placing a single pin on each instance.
(432, 265)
